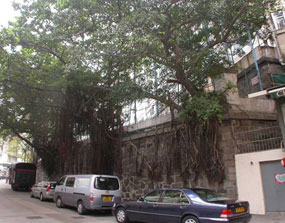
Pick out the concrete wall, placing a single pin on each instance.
(268, 63)
(247, 61)
(248, 79)
(243, 107)
(249, 180)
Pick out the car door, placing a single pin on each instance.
(60, 188)
(35, 190)
(68, 197)
(38, 189)
(172, 206)
(44, 189)
(148, 212)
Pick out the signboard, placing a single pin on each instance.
(278, 94)
(279, 178)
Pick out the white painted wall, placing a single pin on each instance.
(249, 178)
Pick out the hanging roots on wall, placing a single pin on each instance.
(190, 150)
(204, 153)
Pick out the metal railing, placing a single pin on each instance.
(260, 139)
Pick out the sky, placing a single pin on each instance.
(6, 12)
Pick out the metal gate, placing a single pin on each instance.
(273, 178)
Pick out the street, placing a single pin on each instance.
(18, 207)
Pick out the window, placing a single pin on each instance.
(278, 19)
(70, 182)
(210, 195)
(83, 182)
(61, 181)
(174, 196)
(106, 183)
(153, 196)
(183, 199)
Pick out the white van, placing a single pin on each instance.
(88, 192)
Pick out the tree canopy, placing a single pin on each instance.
(68, 66)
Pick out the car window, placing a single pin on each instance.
(83, 182)
(70, 181)
(210, 195)
(183, 199)
(174, 196)
(171, 196)
(153, 196)
(61, 181)
(106, 183)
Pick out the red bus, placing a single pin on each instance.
(22, 175)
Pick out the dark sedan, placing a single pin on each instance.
(182, 206)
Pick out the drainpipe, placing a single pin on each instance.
(255, 58)
(135, 103)
(156, 87)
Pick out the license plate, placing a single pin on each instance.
(107, 198)
(239, 210)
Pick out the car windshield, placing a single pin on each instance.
(106, 183)
(210, 195)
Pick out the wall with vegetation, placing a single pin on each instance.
(157, 158)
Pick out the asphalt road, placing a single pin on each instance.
(18, 207)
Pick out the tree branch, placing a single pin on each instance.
(165, 101)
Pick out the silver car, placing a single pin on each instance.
(44, 190)
(88, 192)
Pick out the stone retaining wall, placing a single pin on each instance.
(136, 178)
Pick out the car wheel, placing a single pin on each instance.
(58, 202)
(121, 215)
(190, 219)
(81, 208)
(41, 197)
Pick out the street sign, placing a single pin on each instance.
(277, 93)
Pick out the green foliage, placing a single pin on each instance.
(68, 67)
(208, 106)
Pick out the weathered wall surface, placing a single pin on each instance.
(153, 152)
(268, 63)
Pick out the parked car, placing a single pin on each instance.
(88, 192)
(43, 190)
(182, 206)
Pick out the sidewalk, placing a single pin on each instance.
(271, 218)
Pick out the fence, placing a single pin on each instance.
(258, 139)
